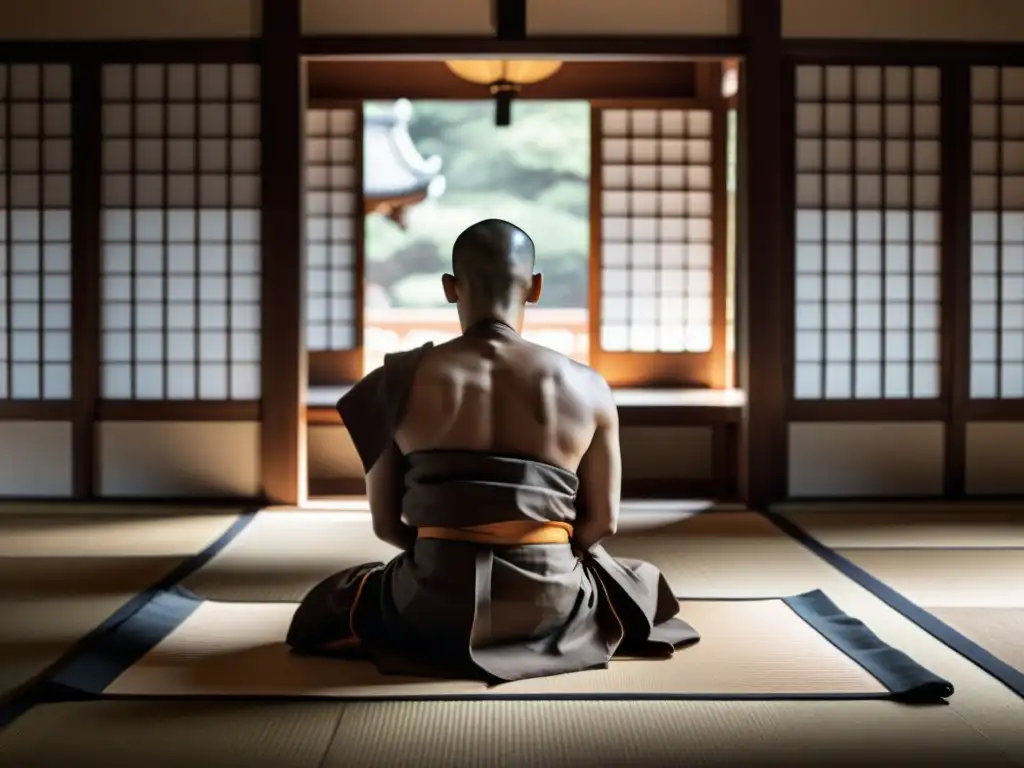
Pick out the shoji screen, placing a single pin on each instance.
(659, 210)
(997, 234)
(656, 230)
(181, 228)
(35, 232)
(867, 230)
(332, 193)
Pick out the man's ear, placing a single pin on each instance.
(536, 289)
(451, 288)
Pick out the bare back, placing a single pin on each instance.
(498, 393)
(502, 395)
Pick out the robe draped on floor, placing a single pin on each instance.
(449, 608)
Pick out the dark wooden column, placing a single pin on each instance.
(956, 268)
(283, 434)
(85, 272)
(760, 255)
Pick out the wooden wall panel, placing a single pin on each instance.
(128, 20)
(397, 17)
(178, 460)
(861, 460)
(993, 454)
(35, 459)
(904, 20)
(639, 17)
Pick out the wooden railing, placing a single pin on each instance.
(387, 330)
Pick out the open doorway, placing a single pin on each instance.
(617, 169)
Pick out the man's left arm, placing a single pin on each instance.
(385, 486)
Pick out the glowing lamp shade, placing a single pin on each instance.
(504, 79)
(486, 72)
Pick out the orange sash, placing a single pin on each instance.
(511, 533)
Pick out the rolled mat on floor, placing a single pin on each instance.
(987, 635)
(799, 647)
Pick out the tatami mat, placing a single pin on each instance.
(747, 648)
(998, 630)
(115, 533)
(511, 734)
(61, 576)
(36, 633)
(47, 604)
(30, 578)
(731, 554)
(654, 733)
(113, 507)
(992, 578)
(728, 554)
(741, 556)
(282, 555)
(742, 553)
(171, 734)
(904, 530)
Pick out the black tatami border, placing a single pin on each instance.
(42, 689)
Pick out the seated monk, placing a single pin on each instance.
(493, 465)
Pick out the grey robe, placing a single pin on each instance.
(453, 608)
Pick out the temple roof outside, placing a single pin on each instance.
(393, 169)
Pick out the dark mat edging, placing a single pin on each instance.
(92, 672)
(908, 680)
(1008, 675)
(46, 688)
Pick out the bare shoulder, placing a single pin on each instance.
(573, 370)
(584, 373)
(585, 382)
(437, 358)
(598, 388)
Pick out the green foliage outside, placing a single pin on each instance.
(534, 173)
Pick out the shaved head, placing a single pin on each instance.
(493, 255)
(492, 268)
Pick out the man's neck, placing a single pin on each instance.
(500, 317)
(490, 324)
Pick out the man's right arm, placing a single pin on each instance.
(600, 474)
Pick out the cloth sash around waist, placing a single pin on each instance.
(510, 533)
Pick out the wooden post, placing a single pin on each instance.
(86, 105)
(956, 269)
(283, 357)
(760, 257)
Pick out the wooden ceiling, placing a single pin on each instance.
(337, 80)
